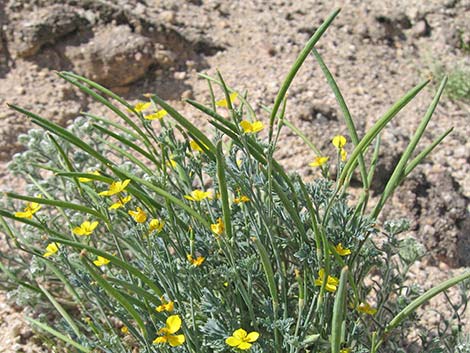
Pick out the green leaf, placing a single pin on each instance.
(61, 311)
(126, 142)
(200, 137)
(112, 292)
(223, 190)
(377, 128)
(59, 335)
(339, 312)
(74, 79)
(303, 137)
(296, 66)
(429, 294)
(398, 173)
(347, 115)
(113, 259)
(424, 153)
(58, 203)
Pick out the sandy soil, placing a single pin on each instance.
(377, 50)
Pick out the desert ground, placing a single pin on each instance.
(377, 50)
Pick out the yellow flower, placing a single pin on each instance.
(251, 128)
(195, 146)
(198, 195)
(366, 309)
(124, 330)
(318, 161)
(101, 261)
(331, 282)
(86, 228)
(241, 339)
(87, 180)
(141, 106)
(120, 203)
(51, 249)
(345, 350)
(339, 141)
(156, 225)
(218, 228)
(139, 215)
(166, 305)
(195, 262)
(156, 116)
(30, 209)
(223, 102)
(115, 188)
(242, 199)
(342, 251)
(344, 154)
(173, 324)
(171, 162)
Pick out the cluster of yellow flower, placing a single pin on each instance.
(167, 333)
(247, 126)
(139, 215)
(87, 227)
(143, 106)
(240, 339)
(30, 209)
(339, 142)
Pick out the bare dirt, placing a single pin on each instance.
(377, 50)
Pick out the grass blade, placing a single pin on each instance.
(338, 312)
(62, 132)
(59, 335)
(193, 130)
(61, 311)
(303, 137)
(112, 123)
(113, 259)
(423, 154)
(415, 304)
(74, 79)
(126, 142)
(241, 98)
(57, 203)
(213, 114)
(269, 273)
(112, 292)
(377, 128)
(346, 114)
(296, 66)
(397, 176)
(223, 190)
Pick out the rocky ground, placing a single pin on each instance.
(377, 50)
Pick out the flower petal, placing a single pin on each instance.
(158, 340)
(26, 214)
(252, 336)
(330, 287)
(176, 340)
(244, 346)
(240, 333)
(233, 341)
(339, 141)
(173, 323)
(78, 231)
(125, 183)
